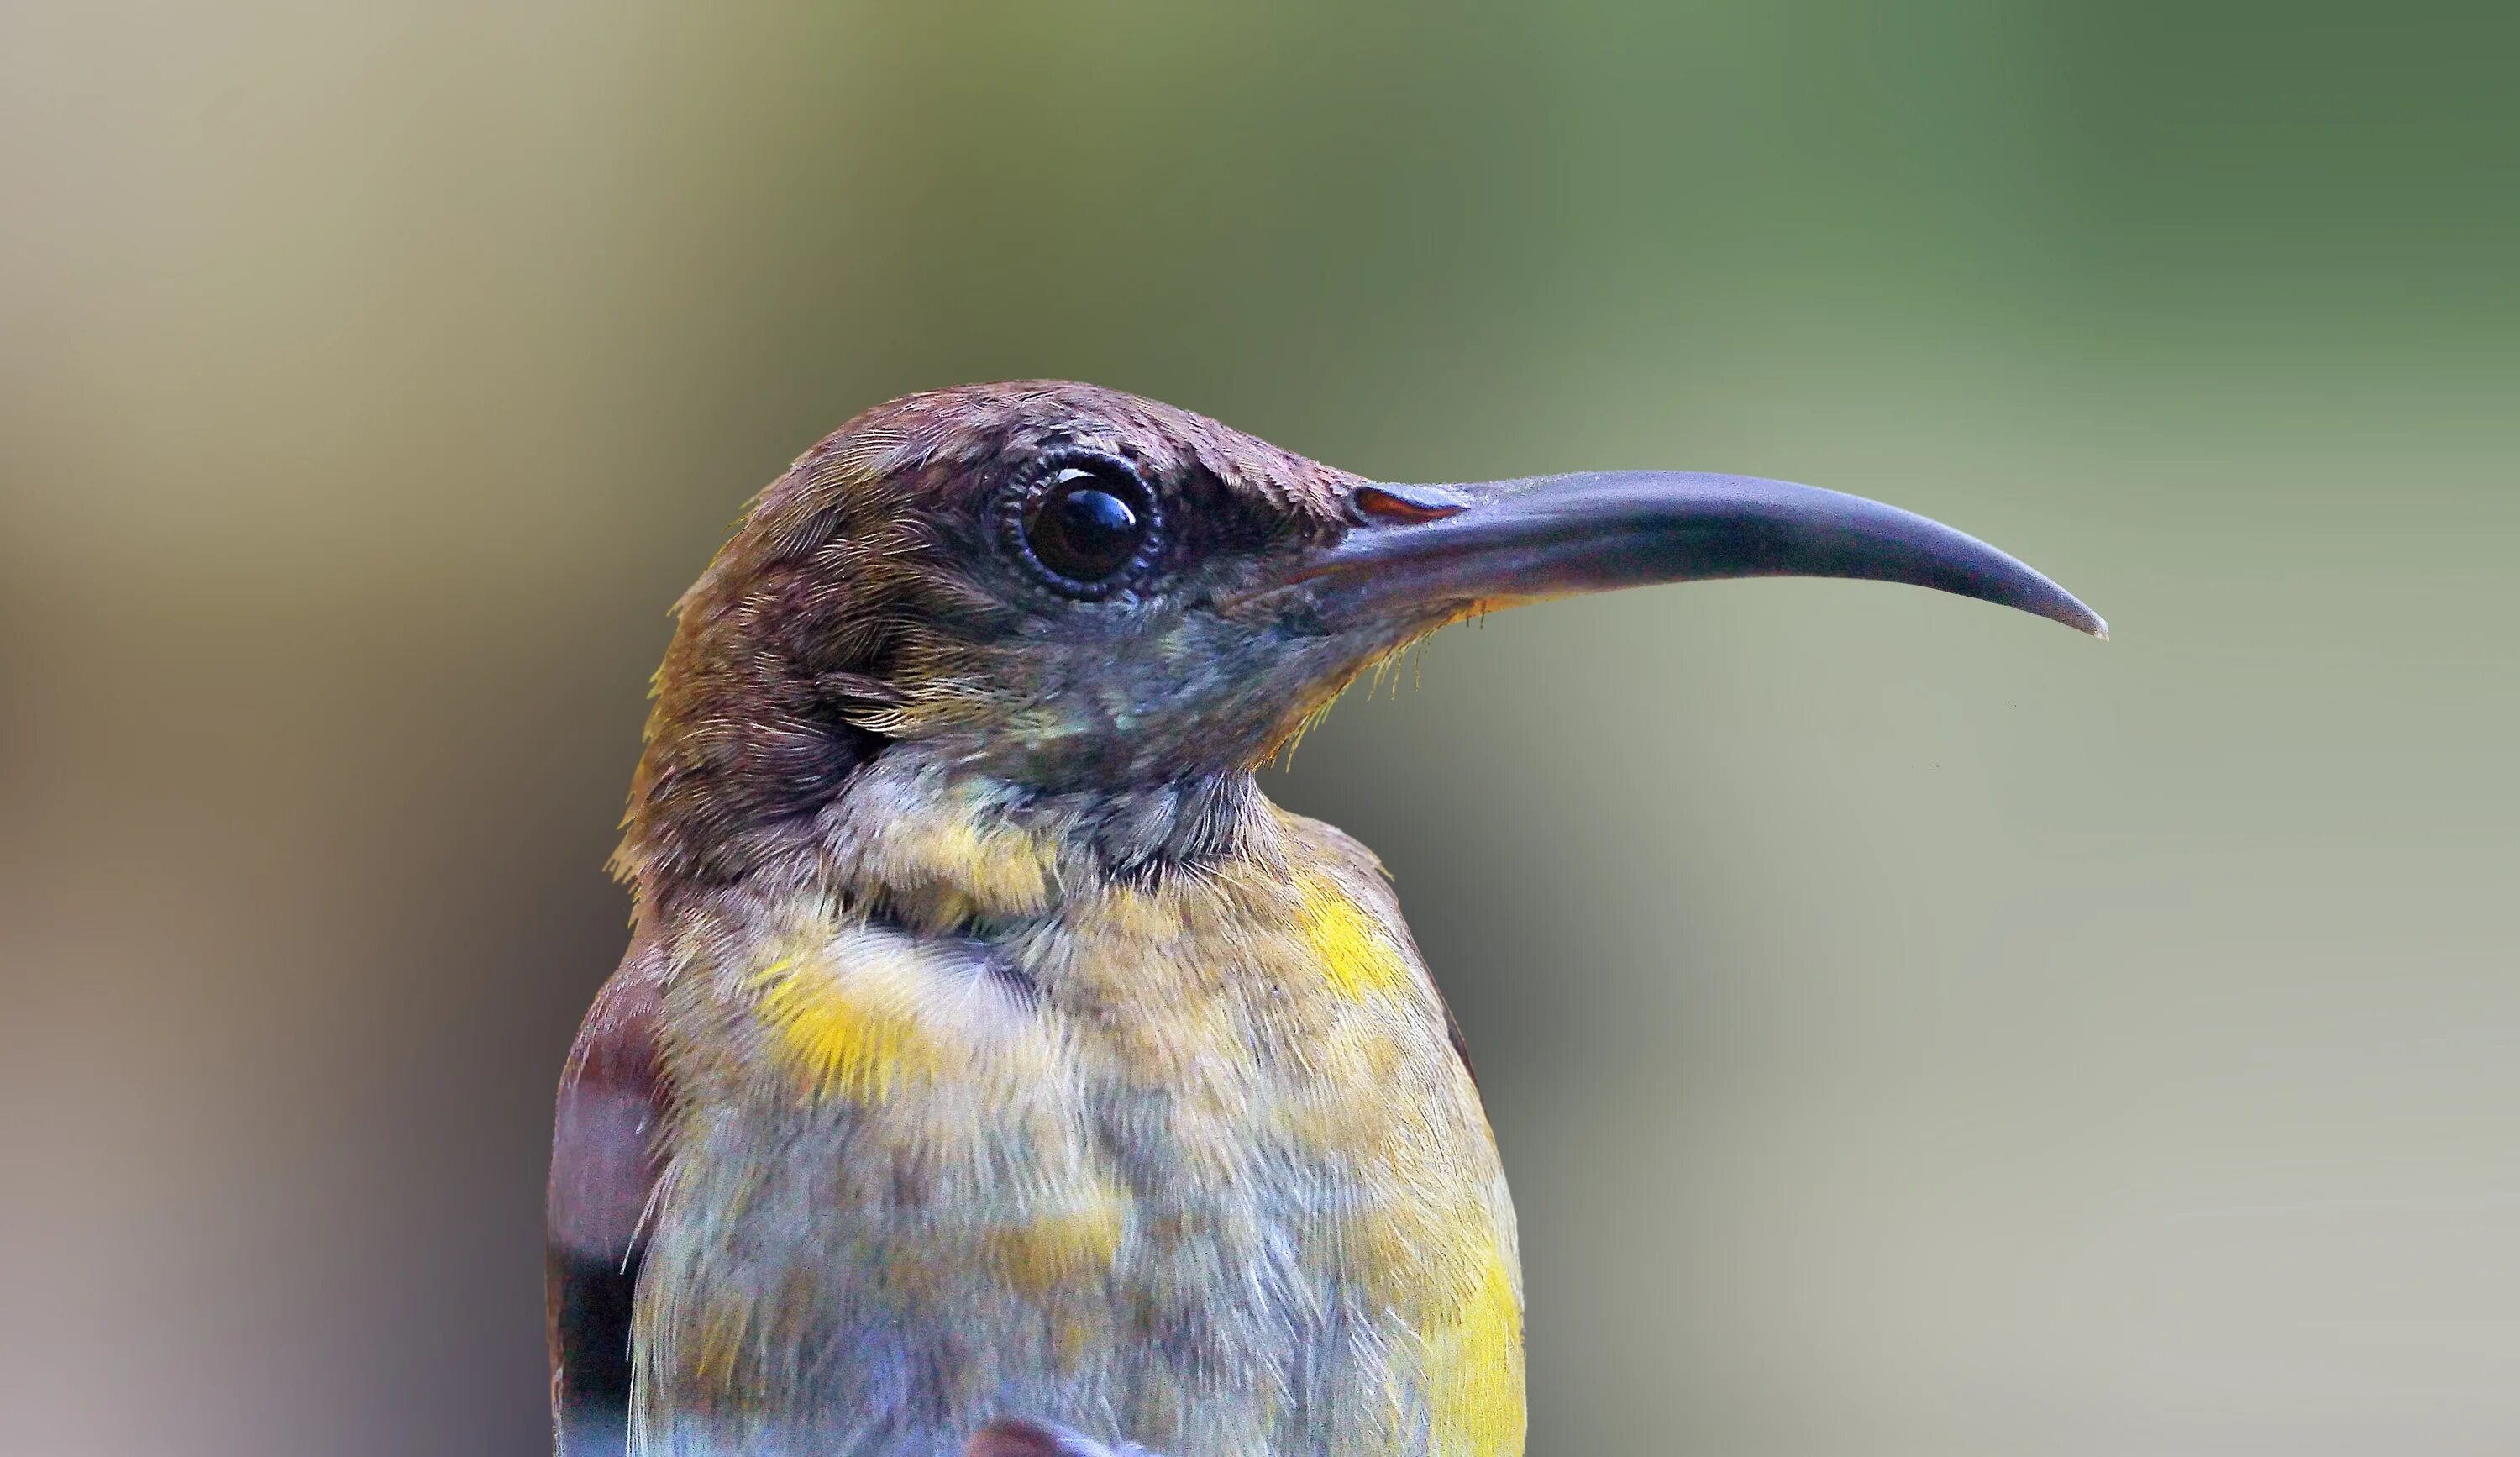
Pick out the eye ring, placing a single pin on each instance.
(1082, 522)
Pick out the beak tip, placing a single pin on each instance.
(2082, 618)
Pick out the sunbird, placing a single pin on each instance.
(993, 1068)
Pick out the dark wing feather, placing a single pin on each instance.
(604, 1167)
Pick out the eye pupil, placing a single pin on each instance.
(1085, 528)
(1092, 515)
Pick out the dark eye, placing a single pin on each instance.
(1087, 524)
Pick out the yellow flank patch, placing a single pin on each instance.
(722, 1336)
(860, 1035)
(1357, 956)
(1002, 869)
(1474, 1401)
(1079, 1241)
(955, 863)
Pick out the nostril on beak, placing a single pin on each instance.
(1401, 506)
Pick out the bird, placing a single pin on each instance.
(993, 1068)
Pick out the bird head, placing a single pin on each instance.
(1070, 589)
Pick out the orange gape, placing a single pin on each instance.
(993, 1066)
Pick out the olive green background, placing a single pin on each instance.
(1912, 1028)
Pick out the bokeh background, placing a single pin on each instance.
(1912, 1028)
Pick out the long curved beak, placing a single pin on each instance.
(1513, 541)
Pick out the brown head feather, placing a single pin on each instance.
(861, 601)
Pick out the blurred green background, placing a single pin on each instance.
(1912, 1028)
